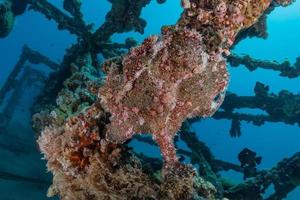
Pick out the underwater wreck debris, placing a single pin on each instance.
(124, 16)
(111, 50)
(7, 18)
(9, 9)
(285, 177)
(259, 29)
(93, 43)
(18, 7)
(21, 77)
(73, 7)
(76, 54)
(202, 156)
(159, 84)
(12, 8)
(31, 56)
(249, 160)
(284, 2)
(285, 68)
(17, 148)
(199, 153)
(283, 107)
(161, 1)
(28, 77)
(64, 21)
(235, 128)
(252, 188)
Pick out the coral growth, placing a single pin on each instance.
(86, 166)
(81, 159)
(77, 94)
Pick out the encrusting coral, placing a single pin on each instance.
(178, 75)
(76, 95)
(86, 166)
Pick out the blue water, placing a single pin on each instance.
(273, 141)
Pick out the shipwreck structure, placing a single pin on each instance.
(84, 120)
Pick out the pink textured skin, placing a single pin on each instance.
(175, 76)
(160, 85)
